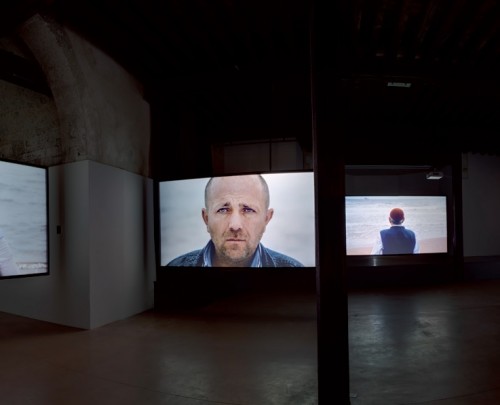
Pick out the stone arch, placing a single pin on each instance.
(100, 108)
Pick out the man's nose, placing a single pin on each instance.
(235, 221)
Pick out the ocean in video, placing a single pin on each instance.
(23, 215)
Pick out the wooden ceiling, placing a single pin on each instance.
(242, 68)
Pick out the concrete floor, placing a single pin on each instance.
(240, 350)
(437, 345)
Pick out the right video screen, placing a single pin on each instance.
(396, 225)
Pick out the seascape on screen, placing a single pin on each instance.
(291, 230)
(23, 215)
(367, 215)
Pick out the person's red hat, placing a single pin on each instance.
(397, 215)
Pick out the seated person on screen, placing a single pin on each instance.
(397, 239)
(236, 214)
(8, 266)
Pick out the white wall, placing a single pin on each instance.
(121, 244)
(102, 264)
(481, 205)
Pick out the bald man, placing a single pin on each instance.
(236, 214)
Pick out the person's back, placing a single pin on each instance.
(397, 240)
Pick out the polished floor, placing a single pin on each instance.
(434, 345)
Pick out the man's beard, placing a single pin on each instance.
(238, 254)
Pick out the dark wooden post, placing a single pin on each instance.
(329, 170)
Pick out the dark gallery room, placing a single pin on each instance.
(250, 203)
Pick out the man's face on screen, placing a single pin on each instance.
(236, 217)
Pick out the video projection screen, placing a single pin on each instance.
(366, 216)
(291, 230)
(23, 220)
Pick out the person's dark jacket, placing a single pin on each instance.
(397, 240)
(270, 258)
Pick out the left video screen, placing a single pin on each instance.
(23, 220)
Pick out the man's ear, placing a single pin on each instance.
(204, 215)
(269, 215)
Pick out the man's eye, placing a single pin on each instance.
(248, 209)
(223, 210)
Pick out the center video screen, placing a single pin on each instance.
(380, 225)
(238, 227)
